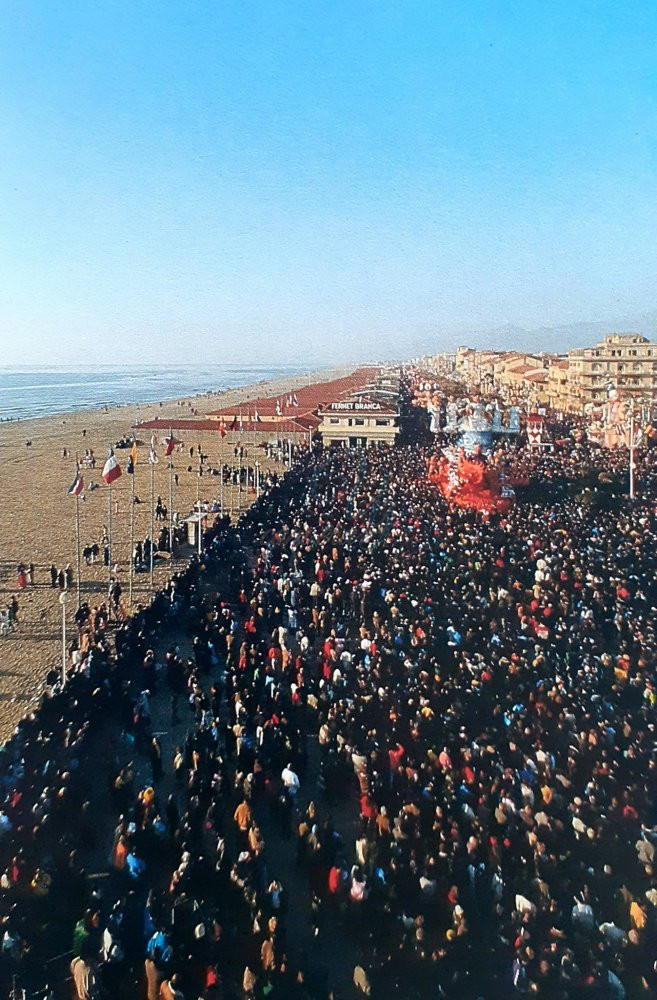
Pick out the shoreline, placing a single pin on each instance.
(38, 522)
(105, 408)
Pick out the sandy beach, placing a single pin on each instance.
(38, 517)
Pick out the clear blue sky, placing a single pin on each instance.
(256, 180)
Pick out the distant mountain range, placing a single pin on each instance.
(555, 339)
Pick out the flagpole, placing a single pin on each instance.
(221, 488)
(77, 540)
(198, 508)
(152, 511)
(109, 537)
(632, 450)
(239, 482)
(171, 498)
(221, 469)
(132, 531)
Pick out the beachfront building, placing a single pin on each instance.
(291, 416)
(626, 362)
(358, 422)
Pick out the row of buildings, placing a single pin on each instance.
(625, 362)
(358, 410)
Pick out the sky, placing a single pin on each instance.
(262, 181)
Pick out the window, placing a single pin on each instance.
(359, 422)
(381, 423)
(334, 420)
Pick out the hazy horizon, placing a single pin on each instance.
(261, 182)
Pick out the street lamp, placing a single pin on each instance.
(198, 507)
(257, 478)
(63, 598)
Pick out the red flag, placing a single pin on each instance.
(111, 469)
(233, 426)
(222, 428)
(170, 443)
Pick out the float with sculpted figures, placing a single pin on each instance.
(463, 471)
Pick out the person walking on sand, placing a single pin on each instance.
(30, 574)
(53, 576)
(22, 577)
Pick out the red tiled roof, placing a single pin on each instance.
(523, 369)
(214, 426)
(292, 419)
(308, 397)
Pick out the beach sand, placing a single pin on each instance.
(37, 523)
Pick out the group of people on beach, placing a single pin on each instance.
(61, 579)
(25, 575)
(371, 745)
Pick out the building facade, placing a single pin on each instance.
(626, 362)
(561, 395)
(358, 423)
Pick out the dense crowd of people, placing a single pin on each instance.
(413, 753)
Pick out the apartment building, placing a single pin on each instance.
(626, 362)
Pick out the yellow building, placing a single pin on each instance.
(626, 362)
(521, 377)
(561, 393)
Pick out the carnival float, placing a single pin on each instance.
(464, 471)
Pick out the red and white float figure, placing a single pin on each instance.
(464, 474)
(534, 430)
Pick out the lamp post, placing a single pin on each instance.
(63, 598)
(198, 507)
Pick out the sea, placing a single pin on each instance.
(40, 391)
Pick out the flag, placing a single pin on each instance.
(256, 416)
(222, 428)
(278, 407)
(152, 454)
(111, 469)
(170, 443)
(76, 487)
(132, 461)
(233, 426)
(295, 401)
